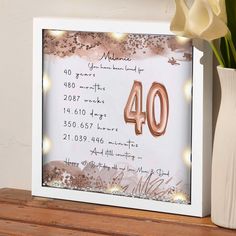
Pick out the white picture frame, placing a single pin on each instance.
(201, 119)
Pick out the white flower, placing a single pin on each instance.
(218, 6)
(180, 18)
(200, 21)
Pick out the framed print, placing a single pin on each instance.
(121, 115)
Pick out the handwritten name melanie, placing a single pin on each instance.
(111, 57)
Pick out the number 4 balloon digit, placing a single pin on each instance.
(138, 117)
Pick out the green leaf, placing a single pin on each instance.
(231, 17)
(231, 22)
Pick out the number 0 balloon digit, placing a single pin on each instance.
(157, 129)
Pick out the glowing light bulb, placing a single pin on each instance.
(187, 157)
(188, 90)
(182, 40)
(46, 145)
(56, 33)
(114, 188)
(46, 83)
(118, 36)
(180, 197)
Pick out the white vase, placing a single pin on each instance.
(223, 191)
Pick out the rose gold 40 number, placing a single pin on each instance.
(138, 117)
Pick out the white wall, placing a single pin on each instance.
(16, 68)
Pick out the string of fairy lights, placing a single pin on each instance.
(187, 89)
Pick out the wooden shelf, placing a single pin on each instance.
(22, 214)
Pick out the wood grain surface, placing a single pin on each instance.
(22, 214)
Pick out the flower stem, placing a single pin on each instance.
(218, 57)
(227, 51)
(231, 44)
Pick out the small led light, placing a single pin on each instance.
(114, 188)
(188, 90)
(46, 83)
(118, 36)
(187, 157)
(46, 145)
(182, 40)
(56, 33)
(179, 197)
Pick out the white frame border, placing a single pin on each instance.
(201, 120)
